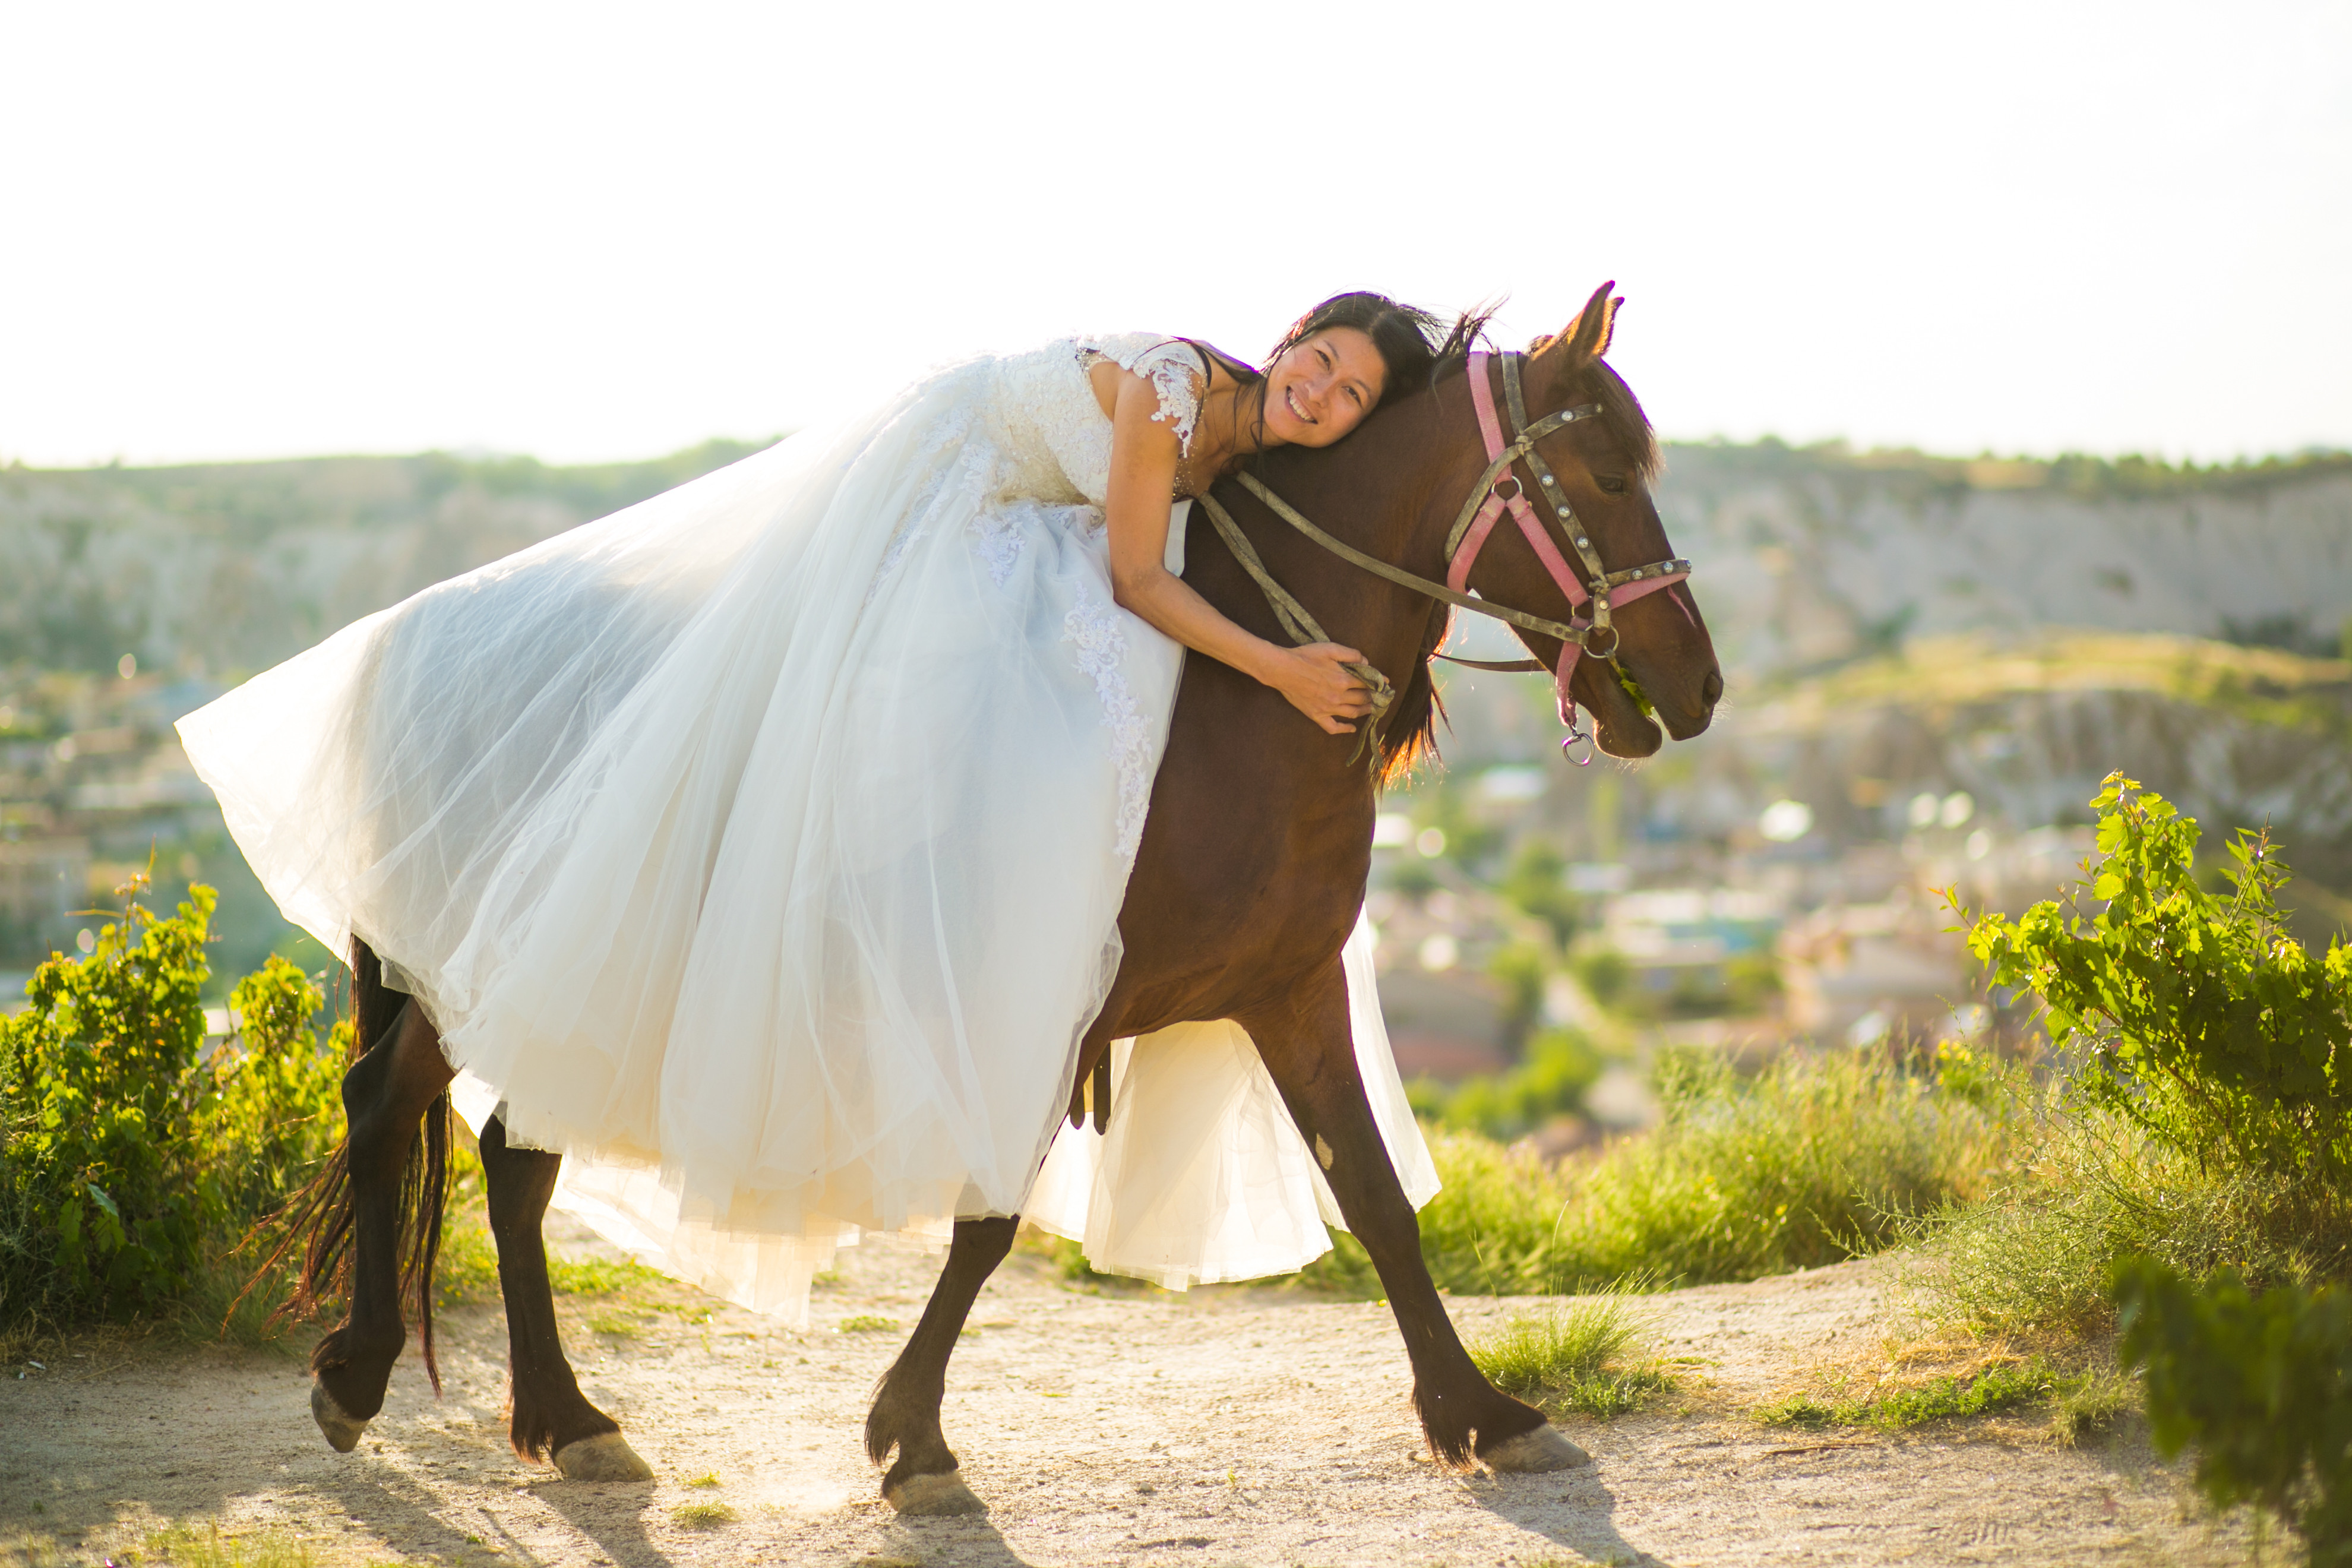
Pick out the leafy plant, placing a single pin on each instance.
(131, 1163)
(2198, 1016)
(2261, 1385)
(98, 1080)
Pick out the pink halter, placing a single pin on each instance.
(1609, 591)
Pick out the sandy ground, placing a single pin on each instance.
(1230, 1426)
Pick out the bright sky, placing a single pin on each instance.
(602, 231)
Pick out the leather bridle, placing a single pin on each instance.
(1580, 634)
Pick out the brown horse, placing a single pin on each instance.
(1252, 868)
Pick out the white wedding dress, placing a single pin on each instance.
(761, 849)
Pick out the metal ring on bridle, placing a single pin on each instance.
(1596, 652)
(1517, 489)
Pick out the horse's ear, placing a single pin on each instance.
(1586, 338)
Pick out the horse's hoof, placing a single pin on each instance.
(342, 1431)
(1533, 1452)
(934, 1496)
(606, 1456)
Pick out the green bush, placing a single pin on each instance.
(1536, 884)
(1817, 1158)
(2195, 1015)
(1520, 968)
(131, 1164)
(1604, 974)
(2204, 1121)
(2261, 1385)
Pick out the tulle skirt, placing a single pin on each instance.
(760, 847)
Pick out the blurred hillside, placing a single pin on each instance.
(230, 567)
(1808, 558)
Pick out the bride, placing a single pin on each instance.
(760, 847)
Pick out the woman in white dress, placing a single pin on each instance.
(760, 847)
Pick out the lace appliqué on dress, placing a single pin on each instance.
(1093, 628)
(1169, 364)
(997, 542)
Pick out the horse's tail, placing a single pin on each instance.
(322, 1217)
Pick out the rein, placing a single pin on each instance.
(1471, 529)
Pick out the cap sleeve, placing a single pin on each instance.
(1172, 366)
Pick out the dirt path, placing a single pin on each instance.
(1229, 1426)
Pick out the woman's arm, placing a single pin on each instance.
(1143, 454)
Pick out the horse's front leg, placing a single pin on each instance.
(552, 1417)
(906, 1414)
(386, 1094)
(1307, 1044)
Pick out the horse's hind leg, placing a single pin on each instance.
(386, 1093)
(906, 1414)
(1307, 1046)
(551, 1416)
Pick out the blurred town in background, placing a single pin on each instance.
(1931, 665)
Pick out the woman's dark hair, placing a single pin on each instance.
(1406, 338)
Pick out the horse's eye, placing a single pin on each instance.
(1612, 483)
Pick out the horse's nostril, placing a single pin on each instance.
(1712, 687)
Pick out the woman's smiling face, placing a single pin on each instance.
(1323, 387)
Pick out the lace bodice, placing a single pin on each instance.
(1052, 432)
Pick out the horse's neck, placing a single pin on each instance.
(1386, 497)
(1390, 494)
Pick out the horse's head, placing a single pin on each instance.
(1663, 662)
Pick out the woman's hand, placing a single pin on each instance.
(1313, 679)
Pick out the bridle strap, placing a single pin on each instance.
(1487, 504)
(1380, 568)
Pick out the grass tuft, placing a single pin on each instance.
(619, 1325)
(709, 1479)
(603, 1275)
(2098, 1400)
(1573, 1355)
(702, 1515)
(2006, 1385)
(867, 1324)
(184, 1546)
